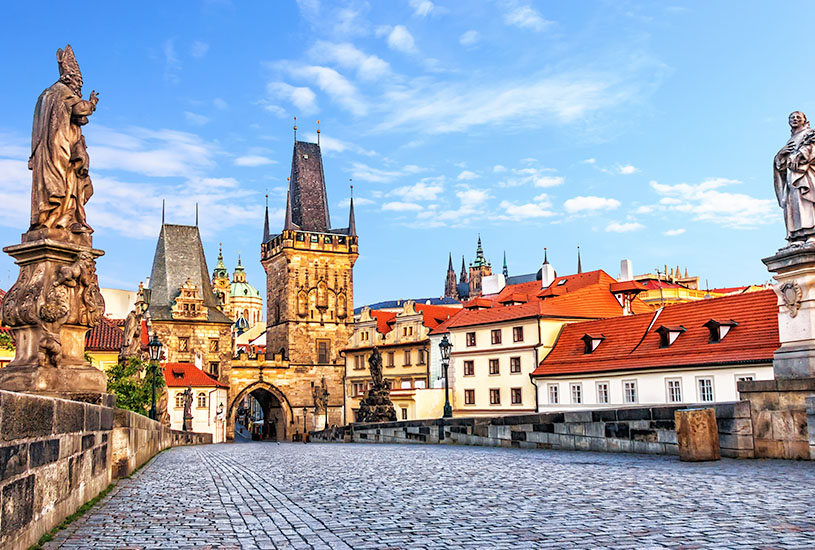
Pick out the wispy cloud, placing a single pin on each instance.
(347, 56)
(195, 118)
(624, 227)
(590, 203)
(673, 232)
(401, 206)
(467, 175)
(300, 96)
(253, 160)
(427, 189)
(172, 63)
(422, 8)
(469, 38)
(399, 38)
(199, 49)
(526, 17)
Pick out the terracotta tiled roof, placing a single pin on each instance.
(630, 344)
(384, 320)
(433, 316)
(181, 375)
(729, 290)
(105, 336)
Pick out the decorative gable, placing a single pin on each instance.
(189, 305)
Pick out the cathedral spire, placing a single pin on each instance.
(480, 260)
(450, 263)
(288, 225)
(463, 278)
(506, 271)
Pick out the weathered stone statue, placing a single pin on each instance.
(131, 342)
(187, 427)
(376, 406)
(794, 178)
(56, 297)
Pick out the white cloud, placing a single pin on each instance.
(616, 227)
(421, 8)
(644, 210)
(220, 104)
(589, 161)
(469, 38)
(401, 206)
(499, 169)
(590, 203)
(525, 211)
(199, 49)
(626, 169)
(172, 64)
(425, 190)
(334, 145)
(346, 55)
(332, 83)
(706, 202)
(526, 17)
(195, 118)
(412, 169)
(472, 197)
(548, 181)
(543, 197)
(358, 201)
(301, 97)
(363, 172)
(401, 40)
(673, 232)
(467, 175)
(253, 160)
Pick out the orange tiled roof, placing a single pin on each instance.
(384, 320)
(433, 316)
(181, 375)
(105, 336)
(629, 344)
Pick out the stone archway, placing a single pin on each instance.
(276, 410)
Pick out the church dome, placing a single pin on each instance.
(243, 290)
(242, 325)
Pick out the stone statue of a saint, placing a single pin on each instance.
(794, 178)
(59, 159)
(187, 427)
(375, 366)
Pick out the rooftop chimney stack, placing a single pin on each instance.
(626, 270)
(547, 274)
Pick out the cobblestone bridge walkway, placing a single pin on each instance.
(265, 495)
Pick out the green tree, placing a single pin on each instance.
(132, 384)
(6, 342)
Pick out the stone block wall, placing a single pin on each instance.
(810, 401)
(56, 454)
(649, 430)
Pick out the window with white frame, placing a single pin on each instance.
(705, 387)
(630, 391)
(674, 388)
(602, 392)
(554, 397)
(495, 396)
(495, 336)
(202, 400)
(577, 393)
(179, 400)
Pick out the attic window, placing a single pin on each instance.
(561, 282)
(719, 329)
(668, 335)
(592, 341)
(178, 374)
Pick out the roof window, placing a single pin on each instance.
(591, 342)
(178, 374)
(668, 335)
(562, 282)
(719, 329)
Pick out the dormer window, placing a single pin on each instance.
(668, 335)
(719, 329)
(562, 282)
(591, 342)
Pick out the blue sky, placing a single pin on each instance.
(637, 130)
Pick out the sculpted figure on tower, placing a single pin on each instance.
(794, 178)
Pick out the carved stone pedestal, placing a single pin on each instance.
(54, 302)
(794, 269)
(377, 406)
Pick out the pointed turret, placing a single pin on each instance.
(463, 278)
(288, 224)
(579, 264)
(239, 276)
(308, 200)
(220, 271)
(480, 260)
(266, 234)
(450, 289)
(352, 223)
(506, 271)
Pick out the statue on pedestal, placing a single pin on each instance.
(794, 178)
(56, 297)
(376, 406)
(187, 426)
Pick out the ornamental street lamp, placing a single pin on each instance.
(305, 411)
(325, 404)
(445, 346)
(155, 353)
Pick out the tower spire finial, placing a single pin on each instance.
(505, 270)
(295, 129)
(162, 211)
(545, 257)
(579, 264)
(318, 132)
(266, 234)
(352, 222)
(196, 214)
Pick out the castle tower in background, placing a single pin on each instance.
(450, 290)
(309, 273)
(479, 269)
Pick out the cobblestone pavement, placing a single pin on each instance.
(265, 495)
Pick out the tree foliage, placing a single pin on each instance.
(6, 342)
(132, 384)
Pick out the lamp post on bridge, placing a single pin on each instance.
(445, 346)
(155, 354)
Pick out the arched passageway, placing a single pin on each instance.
(260, 413)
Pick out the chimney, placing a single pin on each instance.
(626, 270)
(493, 284)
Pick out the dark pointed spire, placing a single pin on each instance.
(545, 257)
(450, 263)
(196, 214)
(288, 225)
(579, 265)
(266, 234)
(463, 278)
(506, 271)
(352, 222)
(162, 211)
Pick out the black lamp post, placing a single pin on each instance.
(155, 353)
(305, 411)
(325, 403)
(445, 346)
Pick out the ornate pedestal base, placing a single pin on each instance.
(795, 272)
(377, 406)
(54, 302)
